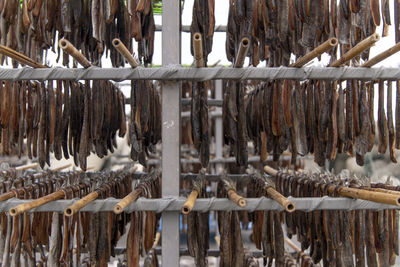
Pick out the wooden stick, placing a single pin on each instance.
(72, 51)
(355, 51)
(37, 202)
(78, 205)
(126, 201)
(11, 194)
(378, 197)
(382, 56)
(121, 48)
(237, 199)
(198, 50)
(382, 190)
(26, 167)
(189, 204)
(292, 245)
(242, 53)
(20, 57)
(156, 240)
(278, 197)
(319, 50)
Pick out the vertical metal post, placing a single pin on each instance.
(218, 128)
(171, 130)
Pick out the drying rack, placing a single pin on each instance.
(171, 74)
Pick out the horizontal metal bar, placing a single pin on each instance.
(186, 28)
(176, 72)
(211, 114)
(203, 205)
(210, 102)
(186, 102)
(185, 252)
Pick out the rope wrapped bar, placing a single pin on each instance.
(201, 74)
(206, 204)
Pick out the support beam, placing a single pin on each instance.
(171, 126)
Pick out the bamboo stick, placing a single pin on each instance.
(21, 58)
(382, 56)
(237, 199)
(241, 55)
(325, 47)
(121, 48)
(27, 167)
(198, 50)
(126, 201)
(12, 194)
(292, 245)
(78, 205)
(72, 51)
(356, 50)
(156, 240)
(37, 202)
(189, 204)
(278, 197)
(378, 197)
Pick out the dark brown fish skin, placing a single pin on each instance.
(383, 238)
(371, 96)
(58, 124)
(361, 143)
(390, 125)
(65, 118)
(42, 127)
(397, 112)
(333, 125)
(370, 240)
(382, 122)
(375, 12)
(276, 127)
(84, 144)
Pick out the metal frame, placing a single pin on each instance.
(171, 130)
(173, 72)
(172, 205)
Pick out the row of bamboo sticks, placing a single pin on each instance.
(244, 46)
(378, 195)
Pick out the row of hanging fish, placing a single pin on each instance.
(145, 120)
(347, 238)
(63, 117)
(278, 29)
(323, 118)
(51, 239)
(31, 27)
(144, 224)
(203, 22)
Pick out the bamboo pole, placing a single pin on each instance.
(278, 197)
(237, 199)
(26, 167)
(322, 48)
(156, 240)
(37, 202)
(292, 245)
(72, 51)
(198, 50)
(78, 205)
(21, 58)
(356, 50)
(121, 48)
(126, 201)
(189, 204)
(12, 194)
(382, 56)
(241, 55)
(378, 197)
